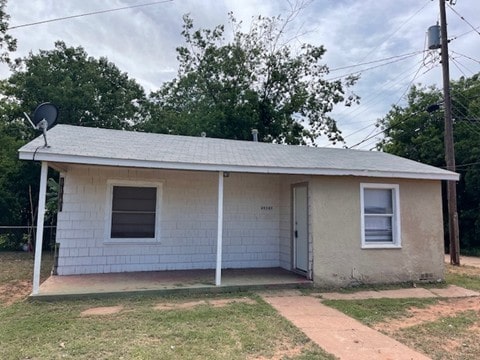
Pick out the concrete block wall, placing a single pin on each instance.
(188, 225)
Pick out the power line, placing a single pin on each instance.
(461, 17)
(396, 30)
(457, 65)
(376, 61)
(369, 137)
(465, 33)
(376, 66)
(88, 14)
(469, 164)
(377, 96)
(466, 56)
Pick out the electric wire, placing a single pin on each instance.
(373, 97)
(370, 100)
(467, 164)
(373, 67)
(463, 34)
(369, 137)
(461, 17)
(373, 124)
(376, 61)
(396, 30)
(452, 60)
(466, 56)
(88, 14)
(389, 127)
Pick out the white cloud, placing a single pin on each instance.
(142, 41)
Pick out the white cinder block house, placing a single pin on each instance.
(146, 202)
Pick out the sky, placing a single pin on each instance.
(388, 37)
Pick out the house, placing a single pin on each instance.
(135, 201)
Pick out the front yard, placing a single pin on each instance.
(234, 326)
(441, 328)
(240, 326)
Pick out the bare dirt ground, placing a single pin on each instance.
(14, 291)
(16, 272)
(214, 303)
(444, 309)
(447, 330)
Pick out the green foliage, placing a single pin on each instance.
(226, 88)
(414, 133)
(15, 175)
(7, 43)
(8, 242)
(51, 204)
(88, 92)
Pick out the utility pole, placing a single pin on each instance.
(449, 148)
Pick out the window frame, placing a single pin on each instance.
(109, 210)
(396, 242)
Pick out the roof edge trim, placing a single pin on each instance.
(73, 159)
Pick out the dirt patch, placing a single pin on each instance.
(418, 316)
(176, 306)
(14, 291)
(280, 353)
(283, 350)
(225, 302)
(464, 270)
(214, 303)
(104, 310)
(448, 330)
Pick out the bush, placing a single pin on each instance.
(10, 242)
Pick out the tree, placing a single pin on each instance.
(254, 81)
(411, 131)
(88, 92)
(414, 133)
(16, 179)
(7, 43)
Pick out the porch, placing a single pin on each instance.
(166, 282)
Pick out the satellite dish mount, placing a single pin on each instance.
(44, 117)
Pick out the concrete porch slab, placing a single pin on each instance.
(166, 282)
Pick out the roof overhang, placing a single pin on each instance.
(137, 163)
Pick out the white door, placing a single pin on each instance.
(300, 228)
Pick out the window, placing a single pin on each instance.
(380, 215)
(133, 211)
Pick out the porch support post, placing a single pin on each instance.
(40, 222)
(218, 270)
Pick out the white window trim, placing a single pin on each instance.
(396, 226)
(108, 212)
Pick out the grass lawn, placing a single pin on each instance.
(444, 329)
(195, 329)
(464, 276)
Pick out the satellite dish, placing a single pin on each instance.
(44, 116)
(46, 111)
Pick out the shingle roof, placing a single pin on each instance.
(83, 145)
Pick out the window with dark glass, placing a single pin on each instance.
(133, 212)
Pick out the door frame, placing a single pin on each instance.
(292, 231)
